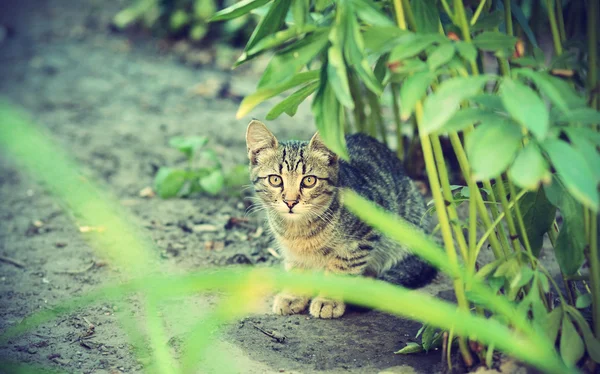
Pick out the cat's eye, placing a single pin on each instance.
(309, 181)
(275, 180)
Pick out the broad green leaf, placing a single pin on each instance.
(581, 116)
(440, 56)
(321, 5)
(414, 46)
(538, 215)
(428, 336)
(592, 344)
(283, 66)
(178, 19)
(571, 241)
(168, 182)
(238, 176)
(328, 117)
(269, 24)
(354, 51)
(338, 77)
(488, 21)
(530, 168)
(466, 50)
(573, 170)
(412, 90)
(290, 104)
(369, 14)
(552, 323)
(583, 301)
(573, 99)
(401, 68)
(492, 147)
(589, 151)
(382, 39)
(571, 344)
(545, 85)
(441, 106)
(465, 118)
(489, 101)
(526, 107)
(411, 347)
(494, 41)
(263, 94)
(280, 37)
(188, 144)
(589, 134)
(237, 10)
(426, 15)
(300, 11)
(213, 183)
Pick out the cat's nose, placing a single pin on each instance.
(291, 203)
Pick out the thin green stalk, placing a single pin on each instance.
(554, 27)
(520, 220)
(400, 19)
(359, 104)
(509, 219)
(495, 214)
(552, 235)
(561, 21)
(461, 17)
(162, 357)
(448, 11)
(472, 229)
(447, 192)
(375, 117)
(508, 17)
(483, 212)
(410, 17)
(595, 272)
(396, 111)
(478, 12)
(592, 36)
(445, 225)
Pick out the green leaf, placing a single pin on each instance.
(592, 344)
(188, 145)
(581, 116)
(410, 348)
(494, 41)
(269, 24)
(538, 215)
(589, 151)
(213, 183)
(382, 39)
(545, 85)
(369, 14)
(281, 37)
(523, 21)
(329, 116)
(466, 50)
(466, 117)
(412, 46)
(571, 344)
(530, 168)
(237, 10)
(571, 241)
(488, 21)
(428, 336)
(440, 56)
(412, 90)
(283, 66)
(262, 94)
(583, 301)
(589, 134)
(526, 107)
(178, 19)
(426, 15)
(489, 101)
(338, 77)
(492, 147)
(552, 323)
(238, 176)
(168, 182)
(573, 170)
(400, 69)
(290, 104)
(300, 12)
(441, 106)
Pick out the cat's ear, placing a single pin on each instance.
(258, 138)
(316, 144)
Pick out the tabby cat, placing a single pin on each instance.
(298, 184)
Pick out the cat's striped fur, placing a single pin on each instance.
(299, 185)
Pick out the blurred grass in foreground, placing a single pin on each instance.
(125, 245)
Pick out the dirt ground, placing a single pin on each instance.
(113, 100)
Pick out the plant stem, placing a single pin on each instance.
(509, 219)
(400, 14)
(495, 214)
(561, 21)
(445, 225)
(448, 11)
(595, 272)
(410, 17)
(554, 28)
(359, 104)
(477, 12)
(520, 221)
(508, 17)
(592, 36)
(461, 16)
(396, 111)
(375, 117)
(447, 192)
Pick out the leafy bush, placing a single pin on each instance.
(525, 136)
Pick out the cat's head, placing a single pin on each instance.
(293, 179)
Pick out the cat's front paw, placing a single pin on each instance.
(286, 304)
(322, 307)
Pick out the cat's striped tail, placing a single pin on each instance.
(410, 272)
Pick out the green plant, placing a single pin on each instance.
(525, 136)
(210, 178)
